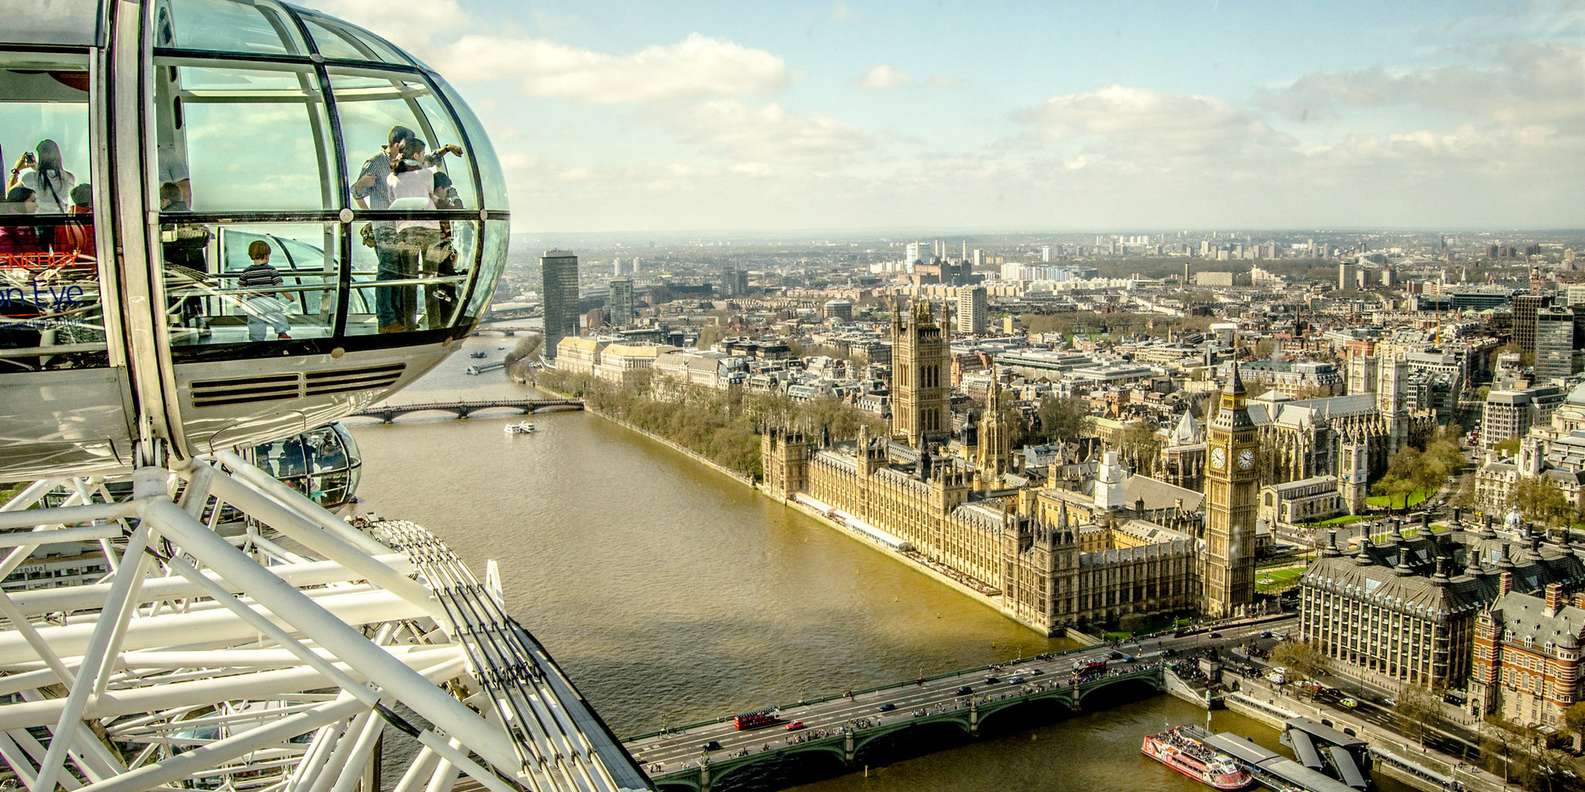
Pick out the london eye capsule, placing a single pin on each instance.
(224, 222)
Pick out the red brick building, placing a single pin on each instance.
(1526, 658)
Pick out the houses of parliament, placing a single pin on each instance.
(1048, 555)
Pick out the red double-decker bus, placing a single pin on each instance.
(754, 720)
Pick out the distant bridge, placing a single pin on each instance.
(462, 409)
(505, 331)
(841, 727)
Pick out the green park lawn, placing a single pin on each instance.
(1271, 581)
(1343, 520)
(1397, 501)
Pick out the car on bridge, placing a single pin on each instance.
(713, 745)
(795, 725)
(965, 691)
(1015, 680)
(887, 707)
(991, 679)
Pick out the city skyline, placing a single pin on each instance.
(861, 116)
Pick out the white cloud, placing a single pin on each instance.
(1140, 130)
(696, 67)
(771, 134)
(883, 77)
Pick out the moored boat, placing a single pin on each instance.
(1183, 749)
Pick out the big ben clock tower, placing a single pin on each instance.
(1230, 494)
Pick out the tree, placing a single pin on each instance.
(1497, 741)
(1574, 721)
(1541, 500)
(1416, 712)
(1062, 417)
(1464, 498)
(1507, 447)
(1139, 446)
(1301, 659)
(708, 336)
(1403, 477)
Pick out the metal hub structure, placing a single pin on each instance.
(248, 639)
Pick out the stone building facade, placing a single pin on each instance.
(1018, 541)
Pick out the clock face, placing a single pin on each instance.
(1218, 458)
(1246, 458)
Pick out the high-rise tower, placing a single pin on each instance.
(1230, 501)
(920, 352)
(560, 270)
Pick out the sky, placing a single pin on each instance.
(855, 115)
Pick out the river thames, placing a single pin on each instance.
(672, 593)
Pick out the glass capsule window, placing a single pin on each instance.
(230, 283)
(226, 26)
(315, 185)
(252, 138)
(50, 314)
(322, 463)
(399, 141)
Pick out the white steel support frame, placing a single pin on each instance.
(243, 661)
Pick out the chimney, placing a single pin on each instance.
(1554, 598)
(1504, 582)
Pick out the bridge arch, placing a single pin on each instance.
(719, 771)
(678, 783)
(1046, 698)
(1112, 687)
(958, 719)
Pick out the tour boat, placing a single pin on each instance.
(521, 427)
(1183, 749)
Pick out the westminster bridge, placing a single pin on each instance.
(462, 409)
(841, 727)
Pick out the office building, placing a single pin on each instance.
(1347, 275)
(1554, 344)
(619, 305)
(972, 310)
(1405, 611)
(1525, 308)
(560, 275)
